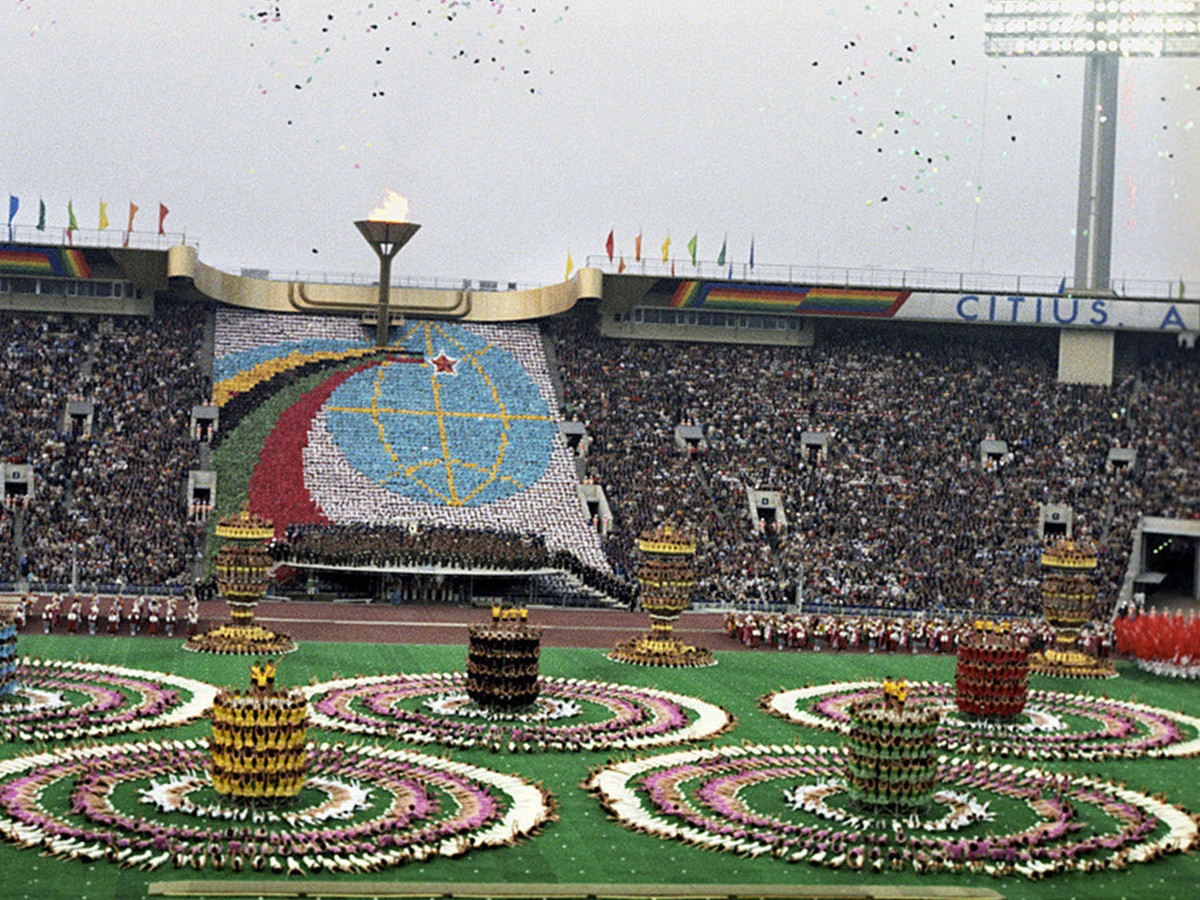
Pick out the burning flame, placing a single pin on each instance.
(394, 209)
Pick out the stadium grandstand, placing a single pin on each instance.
(839, 441)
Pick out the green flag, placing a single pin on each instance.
(41, 225)
(691, 245)
(72, 225)
(721, 255)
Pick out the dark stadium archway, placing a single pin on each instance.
(1168, 566)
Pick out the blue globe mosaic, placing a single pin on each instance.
(449, 420)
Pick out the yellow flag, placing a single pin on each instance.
(570, 267)
(666, 248)
(103, 215)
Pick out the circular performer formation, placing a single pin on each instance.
(570, 714)
(57, 700)
(1054, 725)
(792, 803)
(364, 809)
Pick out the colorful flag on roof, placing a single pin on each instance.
(608, 246)
(133, 208)
(162, 215)
(691, 245)
(103, 215)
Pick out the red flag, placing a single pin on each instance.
(637, 248)
(608, 246)
(621, 266)
(162, 214)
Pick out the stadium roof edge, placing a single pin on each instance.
(467, 304)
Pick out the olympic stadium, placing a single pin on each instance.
(868, 448)
(980, 410)
(677, 578)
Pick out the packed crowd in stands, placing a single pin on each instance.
(898, 512)
(396, 547)
(107, 502)
(901, 511)
(8, 548)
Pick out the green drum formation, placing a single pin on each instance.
(891, 752)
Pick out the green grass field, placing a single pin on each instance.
(583, 845)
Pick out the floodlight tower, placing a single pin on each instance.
(1101, 31)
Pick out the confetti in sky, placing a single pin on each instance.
(875, 134)
(497, 37)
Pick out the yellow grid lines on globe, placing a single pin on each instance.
(376, 411)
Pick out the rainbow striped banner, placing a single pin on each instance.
(63, 262)
(796, 299)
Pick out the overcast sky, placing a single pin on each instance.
(834, 133)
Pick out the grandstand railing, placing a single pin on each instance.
(398, 281)
(879, 277)
(94, 237)
(767, 273)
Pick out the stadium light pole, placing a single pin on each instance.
(1101, 31)
(386, 238)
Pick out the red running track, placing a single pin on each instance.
(433, 624)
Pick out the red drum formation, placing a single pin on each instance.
(992, 677)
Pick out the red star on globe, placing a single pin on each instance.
(443, 364)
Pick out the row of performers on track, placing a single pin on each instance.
(88, 615)
(892, 634)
